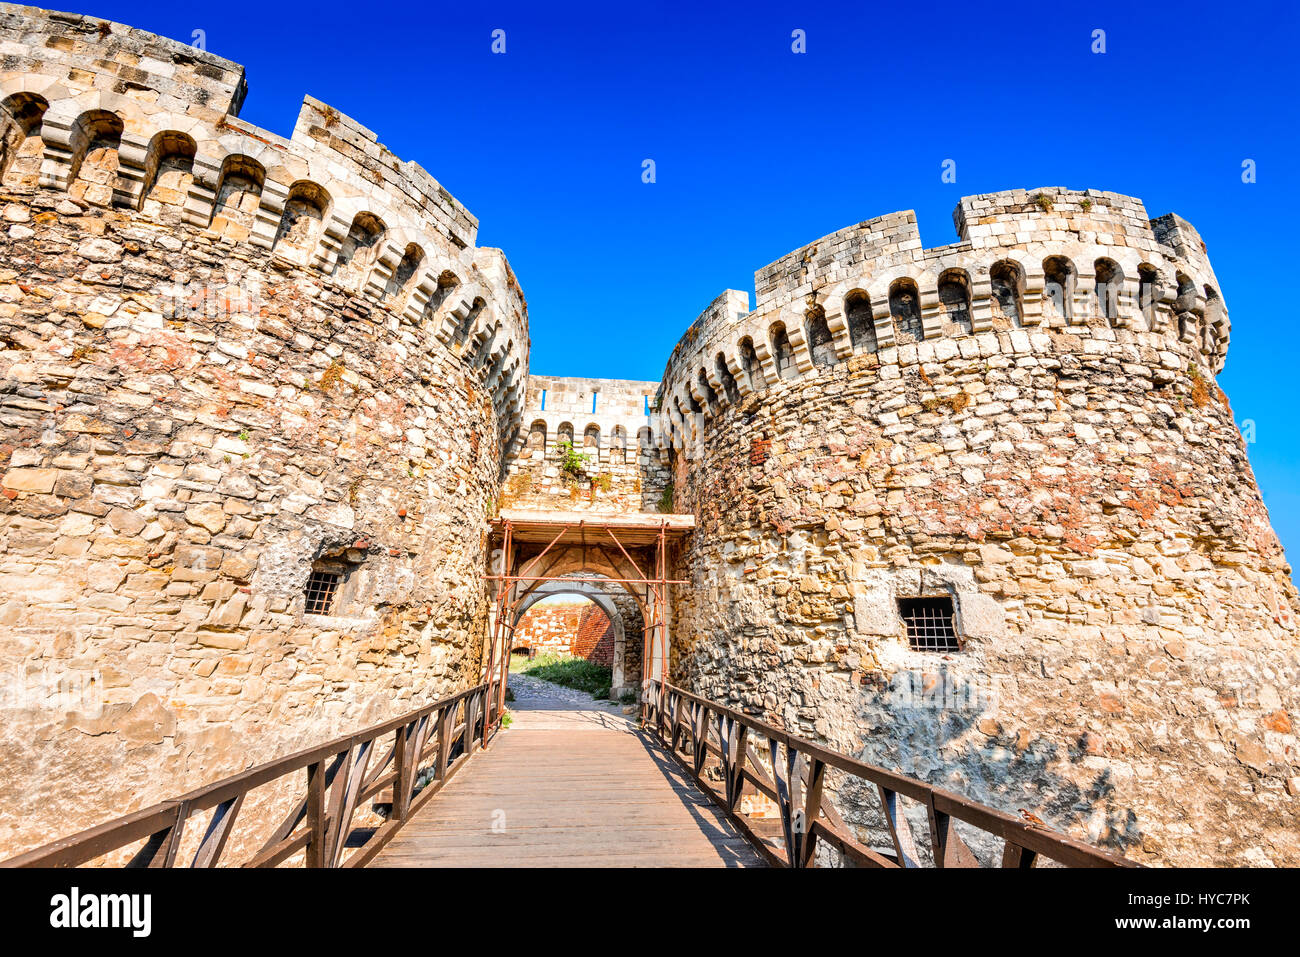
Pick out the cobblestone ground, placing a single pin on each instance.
(540, 705)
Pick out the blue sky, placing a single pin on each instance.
(759, 150)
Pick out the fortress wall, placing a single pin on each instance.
(227, 360)
(1073, 483)
(607, 421)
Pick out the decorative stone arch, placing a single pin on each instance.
(441, 291)
(726, 378)
(792, 316)
(955, 295)
(67, 130)
(830, 302)
(1027, 272)
(618, 445)
(470, 313)
(821, 345)
(859, 320)
(168, 173)
(706, 393)
(1189, 306)
(21, 146)
(537, 438)
(306, 210)
(359, 250)
(784, 362)
(404, 273)
(750, 363)
(238, 198)
(1108, 285)
(1060, 276)
(95, 142)
(1006, 281)
(905, 310)
(881, 291)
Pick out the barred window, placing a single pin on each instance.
(929, 623)
(321, 588)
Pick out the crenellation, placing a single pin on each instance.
(609, 424)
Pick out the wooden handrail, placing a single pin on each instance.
(444, 734)
(697, 731)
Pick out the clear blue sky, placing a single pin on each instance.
(760, 150)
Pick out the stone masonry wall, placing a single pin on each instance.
(1058, 461)
(607, 420)
(579, 629)
(227, 360)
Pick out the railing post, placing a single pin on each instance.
(446, 715)
(315, 856)
(812, 806)
(400, 758)
(160, 849)
(938, 830)
(489, 703)
(467, 736)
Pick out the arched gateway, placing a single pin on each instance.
(535, 554)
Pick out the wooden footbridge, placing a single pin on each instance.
(682, 782)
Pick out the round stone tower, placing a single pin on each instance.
(980, 513)
(254, 393)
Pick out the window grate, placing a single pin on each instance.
(929, 623)
(321, 588)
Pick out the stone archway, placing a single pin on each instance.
(572, 563)
(634, 552)
(626, 621)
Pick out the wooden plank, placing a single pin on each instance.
(543, 798)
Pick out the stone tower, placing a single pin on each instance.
(253, 397)
(981, 514)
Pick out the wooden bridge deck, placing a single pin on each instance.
(570, 783)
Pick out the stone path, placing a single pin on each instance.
(572, 782)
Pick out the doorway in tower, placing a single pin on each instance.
(580, 637)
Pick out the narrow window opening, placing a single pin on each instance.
(594, 397)
(321, 588)
(929, 623)
(543, 400)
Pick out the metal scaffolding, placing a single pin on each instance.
(520, 533)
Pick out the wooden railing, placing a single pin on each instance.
(432, 744)
(736, 759)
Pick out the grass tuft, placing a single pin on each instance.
(575, 673)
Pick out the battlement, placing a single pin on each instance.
(122, 59)
(876, 240)
(1053, 214)
(600, 414)
(609, 423)
(120, 118)
(1084, 263)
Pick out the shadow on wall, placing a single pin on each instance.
(951, 748)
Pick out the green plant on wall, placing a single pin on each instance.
(666, 500)
(572, 461)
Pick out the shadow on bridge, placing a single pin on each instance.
(572, 782)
